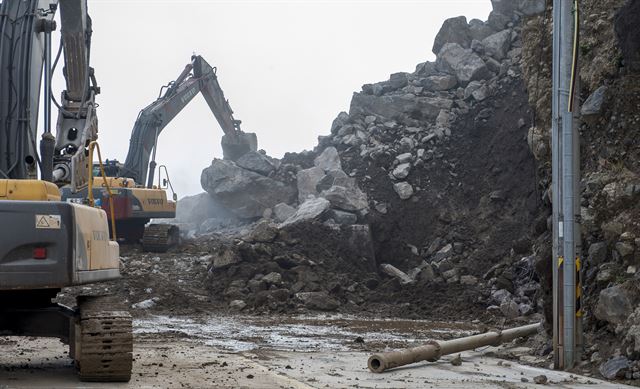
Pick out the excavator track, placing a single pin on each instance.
(159, 238)
(103, 340)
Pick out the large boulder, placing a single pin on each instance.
(440, 82)
(256, 162)
(385, 106)
(616, 303)
(497, 45)
(498, 21)
(394, 106)
(479, 30)
(593, 105)
(283, 211)
(398, 80)
(597, 253)
(349, 199)
(198, 208)
(312, 209)
(430, 107)
(329, 159)
(308, 180)
(525, 7)
(336, 178)
(453, 30)
(464, 63)
(245, 193)
(615, 368)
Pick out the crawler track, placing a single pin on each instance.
(159, 238)
(104, 341)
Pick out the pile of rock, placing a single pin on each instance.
(260, 187)
(405, 124)
(288, 267)
(407, 118)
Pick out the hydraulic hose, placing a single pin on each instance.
(574, 65)
(94, 145)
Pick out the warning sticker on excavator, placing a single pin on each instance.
(51, 222)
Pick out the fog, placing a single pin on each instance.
(287, 67)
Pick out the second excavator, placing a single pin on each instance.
(137, 199)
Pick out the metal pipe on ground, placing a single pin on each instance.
(434, 350)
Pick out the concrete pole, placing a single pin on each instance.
(556, 187)
(577, 227)
(566, 188)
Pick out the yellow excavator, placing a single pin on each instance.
(47, 244)
(136, 198)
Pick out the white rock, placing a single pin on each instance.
(283, 211)
(329, 159)
(308, 179)
(397, 273)
(403, 189)
(402, 171)
(146, 304)
(498, 44)
(309, 210)
(404, 158)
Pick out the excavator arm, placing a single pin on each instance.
(197, 77)
(77, 121)
(25, 47)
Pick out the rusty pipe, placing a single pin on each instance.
(434, 350)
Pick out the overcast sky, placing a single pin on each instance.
(287, 67)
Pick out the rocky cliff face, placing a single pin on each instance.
(610, 86)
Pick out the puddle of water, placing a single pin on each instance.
(301, 333)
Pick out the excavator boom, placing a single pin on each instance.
(197, 77)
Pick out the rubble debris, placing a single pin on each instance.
(245, 193)
(615, 368)
(541, 379)
(397, 273)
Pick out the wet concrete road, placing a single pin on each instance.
(298, 352)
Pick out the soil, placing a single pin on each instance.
(482, 156)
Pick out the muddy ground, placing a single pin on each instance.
(282, 352)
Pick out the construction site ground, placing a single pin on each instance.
(211, 351)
